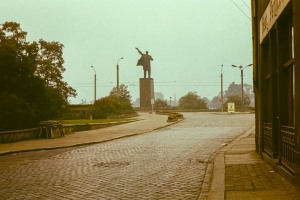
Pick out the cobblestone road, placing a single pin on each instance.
(165, 164)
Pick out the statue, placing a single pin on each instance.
(145, 62)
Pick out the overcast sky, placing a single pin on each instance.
(189, 40)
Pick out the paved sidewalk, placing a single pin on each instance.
(148, 122)
(240, 173)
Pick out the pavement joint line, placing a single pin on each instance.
(88, 143)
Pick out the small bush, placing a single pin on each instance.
(172, 116)
(179, 115)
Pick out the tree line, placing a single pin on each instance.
(193, 101)
(31, 82)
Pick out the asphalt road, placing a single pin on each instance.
(169, 163)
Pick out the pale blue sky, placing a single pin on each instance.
(188, 39)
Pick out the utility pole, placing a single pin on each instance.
(222, 99)
(118, 86)
(94, 84)
(242, 82)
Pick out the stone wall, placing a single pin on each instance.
(17, 135)
(27, 134)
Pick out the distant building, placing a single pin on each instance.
(276, 77)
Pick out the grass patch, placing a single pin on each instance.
(87, 121)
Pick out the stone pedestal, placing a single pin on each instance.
(146, 92)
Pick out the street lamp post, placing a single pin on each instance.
(242, 81)
(222, 100)
(118, 86)
(170, 103)
(94, 84)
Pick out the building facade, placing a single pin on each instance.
(276, 78)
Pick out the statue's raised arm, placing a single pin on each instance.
(139, 51)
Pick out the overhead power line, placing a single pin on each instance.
(246, 4)
(241, 10)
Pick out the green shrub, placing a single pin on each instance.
(111, 105)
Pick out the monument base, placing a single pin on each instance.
(146, 92)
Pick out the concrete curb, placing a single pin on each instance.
(205, 186)
(217, 189)
(88, 143)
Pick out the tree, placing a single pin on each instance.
(50, 67)
(14, 112)
(207, 101)
(123, 92)
(237, 99)
(136, 103)
(192, 101)
(160, 103)
(158, 95)
(234, 94)
(110, 106)
(17, 82)
(249, 94)
(114, 104)
(233, 90)
(216, 102)
(32, 96)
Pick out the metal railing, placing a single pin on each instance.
(287, 148)
(268, 145)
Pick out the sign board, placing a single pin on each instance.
(152, 101)
(270, 16)
(231, 107)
